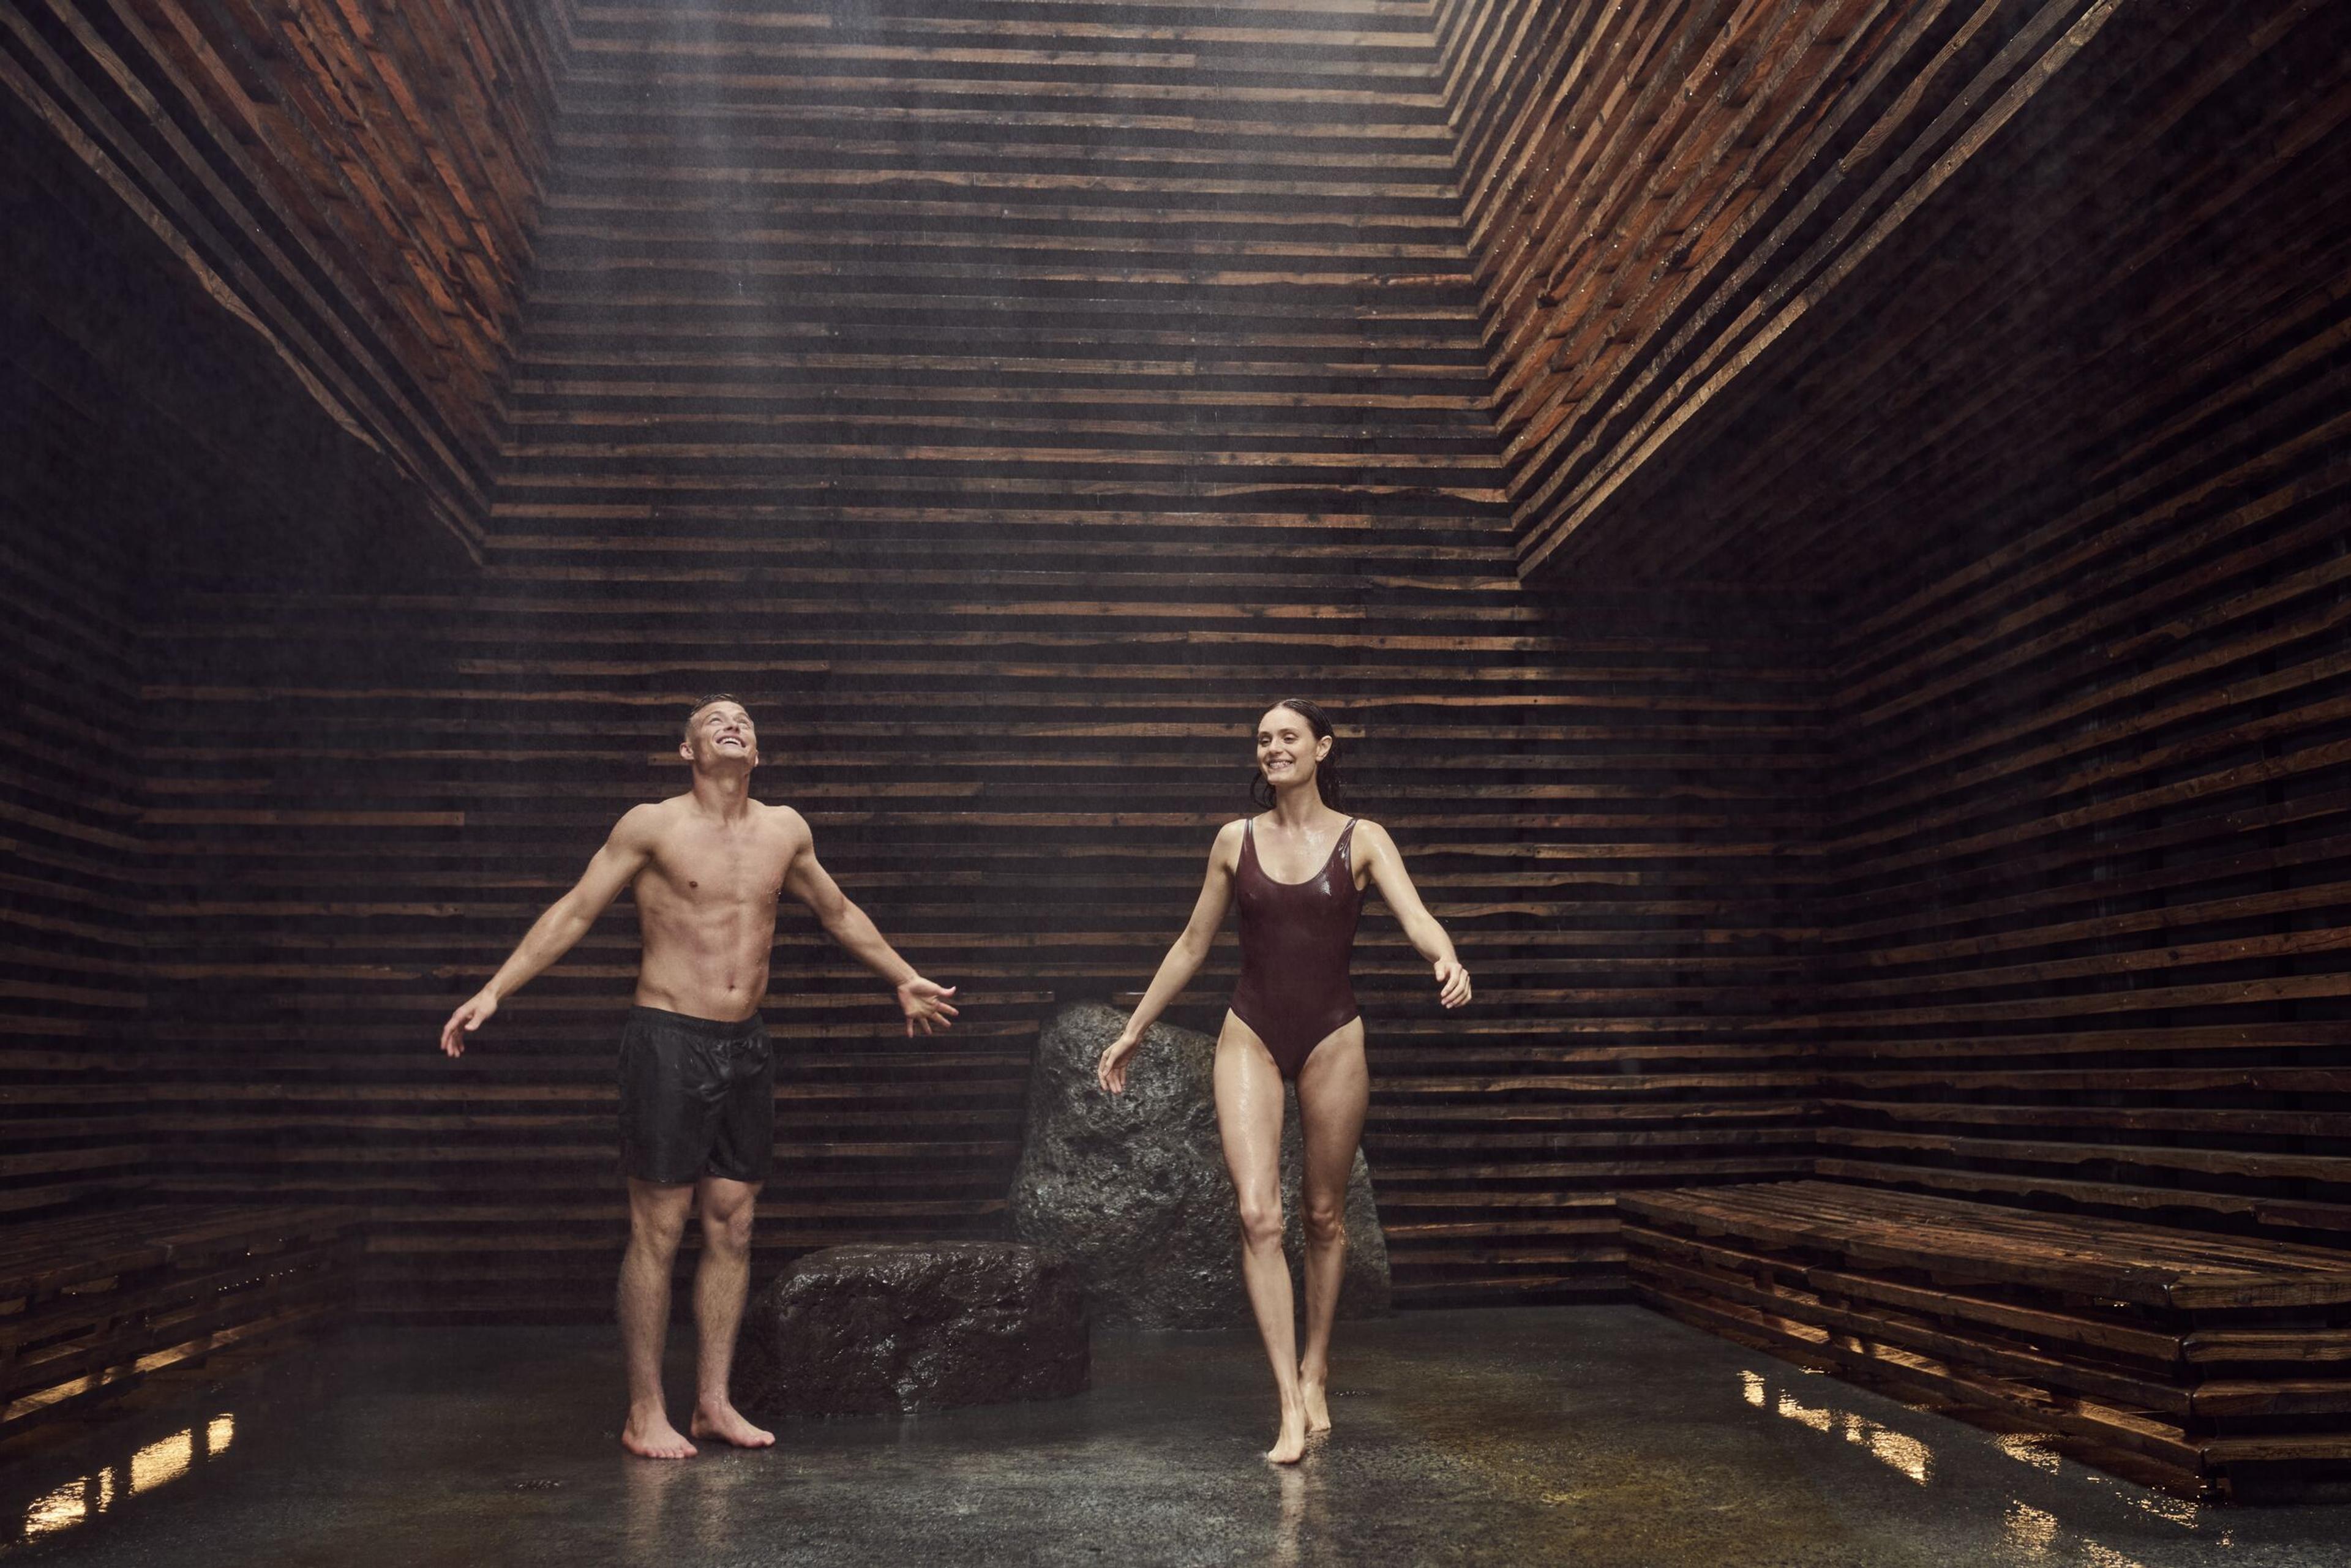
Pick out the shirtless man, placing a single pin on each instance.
(697, 1084)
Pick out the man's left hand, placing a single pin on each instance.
(926, 1005)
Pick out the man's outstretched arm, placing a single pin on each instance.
(925, 1004)
(554, 932)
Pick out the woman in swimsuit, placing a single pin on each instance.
(1299, 874)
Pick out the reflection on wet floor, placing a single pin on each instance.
(1607, 1438)
(157, 1464)
(2033, 1534)
(1898, 1450)
(1289, 1529)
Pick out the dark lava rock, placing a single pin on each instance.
(861, 1331)
(1131, 1187)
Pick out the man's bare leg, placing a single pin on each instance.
(720, 1283)
(656, 1219)
(1249, 1122)
(1334, 1094)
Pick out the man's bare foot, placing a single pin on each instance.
(649, 1436)
(1318, 1407)
(721, 1420)
(1291, 1445)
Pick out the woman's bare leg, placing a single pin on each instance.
(1249, 1119)
(1333, 1091)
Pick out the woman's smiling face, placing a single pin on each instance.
(1287, 747)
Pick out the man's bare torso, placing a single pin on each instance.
(707, 903)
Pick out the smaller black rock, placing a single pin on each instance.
(870, 1329)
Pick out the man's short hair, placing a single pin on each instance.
(686, 728)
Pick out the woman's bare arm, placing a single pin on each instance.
(1384, 862)
(1184, 958)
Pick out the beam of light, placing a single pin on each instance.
(2029, 1448)
(1896, 1450)
(2035, 1534)
(1817, 1419)
(2032, 1449)
(2171, 1510)
(161, 1462)
(1902, 1451)
(63, 1509)
(2031, 1530)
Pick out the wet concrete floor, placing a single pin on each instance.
(1590, 1435)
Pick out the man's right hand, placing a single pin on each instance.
(473, 1015)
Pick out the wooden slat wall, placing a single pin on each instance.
(2017, 331)
(2086, 917)
(354, 180)
(72, 986)
(1009, 400)
(2087, 937)
(1824, 231)
(122, 464)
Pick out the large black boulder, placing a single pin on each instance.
(1131, 1187)
(867, 1330)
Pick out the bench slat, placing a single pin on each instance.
(2202, 1354)
(92, 1304)
(2119, 1258)
(55, 1252)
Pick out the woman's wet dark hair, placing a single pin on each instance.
(1327, 777)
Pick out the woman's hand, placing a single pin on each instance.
(472, 1015)
(1111, 1070)
(1452, 982)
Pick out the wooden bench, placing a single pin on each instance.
(2221, 1365)
(92, 1304)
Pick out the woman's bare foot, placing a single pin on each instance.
(1318, 1406)
(649, 1436)
(1291, 1446)
(718, 1418)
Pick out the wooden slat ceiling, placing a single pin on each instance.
(355, 183)
(1785, 294)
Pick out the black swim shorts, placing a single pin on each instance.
(698, 1098)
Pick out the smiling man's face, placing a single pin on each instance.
(720, 733)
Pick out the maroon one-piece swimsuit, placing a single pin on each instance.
(1296, 940)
